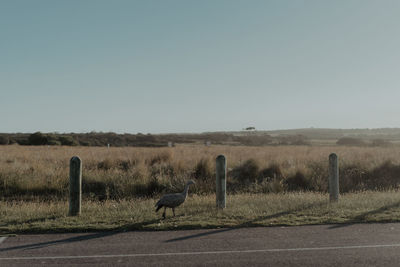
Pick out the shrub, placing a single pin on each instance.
(54, 143)
(385, 176)
(37, 139)
(148, 190)
(246, 172)
(203, 170)
(67, 141)
(273, 186)
(298, 182)
(4, 140)
(154, 187)
(318, 175)
(85, 143)
(352, 178)
(94, 188)
(357, 178)
(272, 172)
(204, 174)
(103, 188)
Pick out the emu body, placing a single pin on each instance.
(173, 200)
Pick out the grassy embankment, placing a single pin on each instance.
(199, 212)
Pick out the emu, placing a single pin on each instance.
(173, 200)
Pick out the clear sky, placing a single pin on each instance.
(193, 66)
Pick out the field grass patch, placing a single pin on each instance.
(244, 210)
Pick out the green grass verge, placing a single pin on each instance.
(244, 210)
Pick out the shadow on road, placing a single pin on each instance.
(211, 232)
(361, 217)
(61, 241)
(248, 223)
(78, 238)
(199, 235)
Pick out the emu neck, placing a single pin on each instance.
(185, 191)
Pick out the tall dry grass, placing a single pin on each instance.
(116, 173)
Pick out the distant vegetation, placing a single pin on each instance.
(147, 140)
(248, 137)
(350, 141)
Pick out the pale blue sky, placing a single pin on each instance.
(193, 66)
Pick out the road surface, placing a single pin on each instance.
(320, 245)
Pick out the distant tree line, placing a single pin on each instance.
(145, 140)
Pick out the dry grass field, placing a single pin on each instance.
(272, 185)
(28, 172)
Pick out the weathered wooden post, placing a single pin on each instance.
(333, 177)
(75, 186)
(221, 181)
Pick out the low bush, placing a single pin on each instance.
(298, 182)
(67, 141)
(272, 172)
(4, 140)
(385, 176)
(203, 170)
(37, 139)
(247, 172)
(352, 178)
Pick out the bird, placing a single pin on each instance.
(173, 200)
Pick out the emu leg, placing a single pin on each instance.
(173, 211)
(163, 215)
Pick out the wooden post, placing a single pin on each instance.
(221, 181)
(75, 186)
(333, 177)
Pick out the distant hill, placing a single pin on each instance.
(325, 133)
(306, 136)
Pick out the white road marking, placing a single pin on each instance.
(201, 252)
(2, 239)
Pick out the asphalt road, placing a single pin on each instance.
(321, 245)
